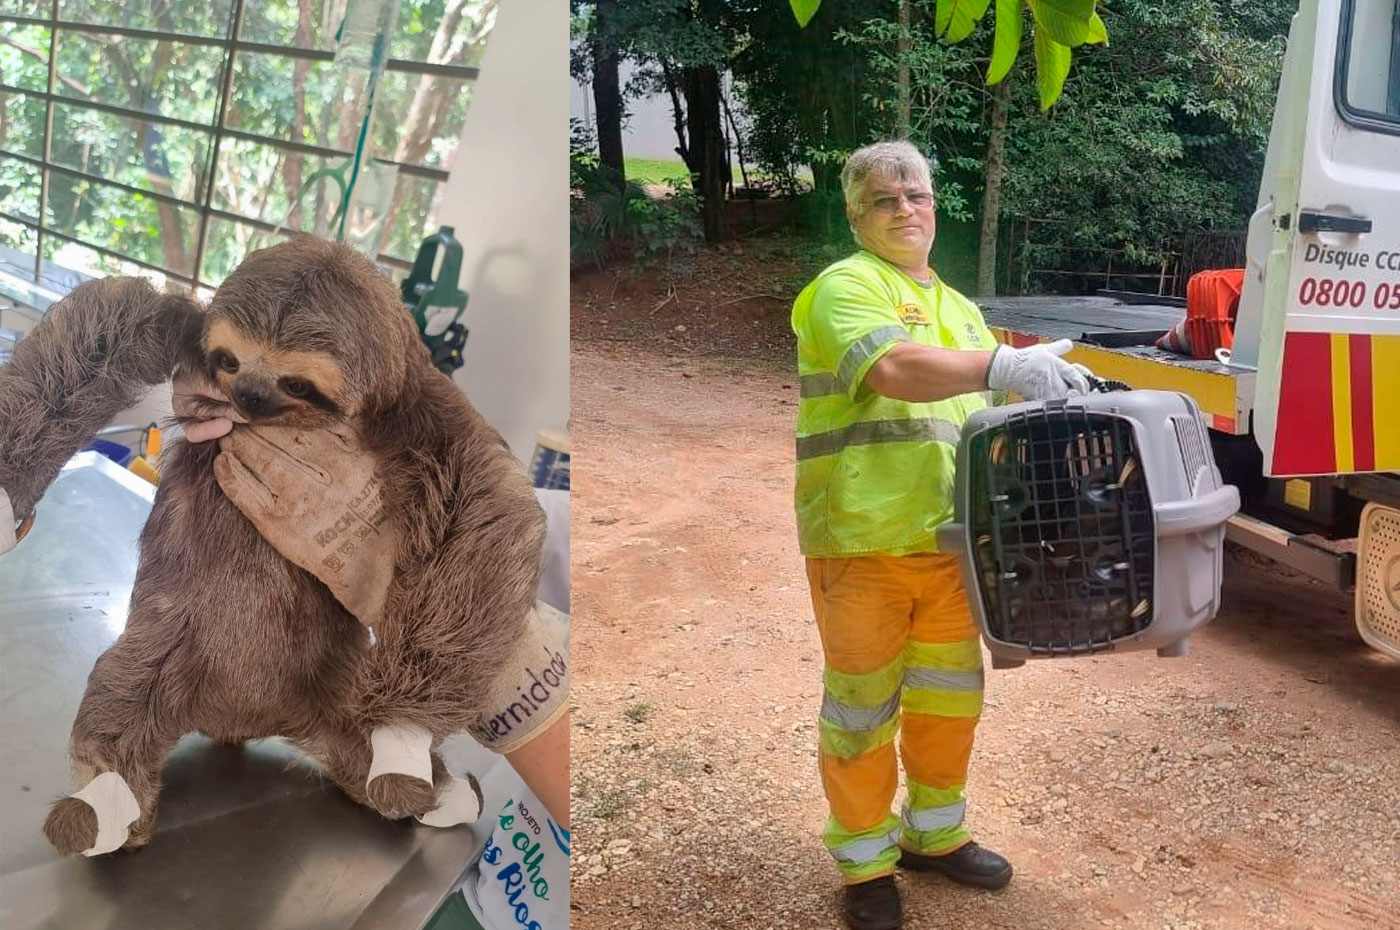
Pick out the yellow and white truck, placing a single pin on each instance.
(1305, 409)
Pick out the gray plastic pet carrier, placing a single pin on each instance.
(1088, 525)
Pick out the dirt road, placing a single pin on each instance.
(1255, 783)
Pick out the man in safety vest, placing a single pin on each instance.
(892, 361)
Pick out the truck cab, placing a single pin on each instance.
(1304, 409)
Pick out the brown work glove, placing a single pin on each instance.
(314, 495)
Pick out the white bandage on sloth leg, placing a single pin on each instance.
(458, 802)
(7, 523)
(116, 808)
(401, 749)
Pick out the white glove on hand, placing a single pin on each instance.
(1037, 372)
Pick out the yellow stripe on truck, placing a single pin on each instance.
(1341, 402)
(1214, 393)
(1385, 400)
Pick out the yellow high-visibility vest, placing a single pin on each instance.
(874, 474)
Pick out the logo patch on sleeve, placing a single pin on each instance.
(912, 315)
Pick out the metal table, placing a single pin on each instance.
(247, 838)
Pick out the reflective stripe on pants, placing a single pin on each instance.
(902, 658)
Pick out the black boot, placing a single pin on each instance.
(969, 865)
(874, 905)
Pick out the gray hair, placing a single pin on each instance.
(897, 159)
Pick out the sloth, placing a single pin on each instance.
(226, 637)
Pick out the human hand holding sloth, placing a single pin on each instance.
(312, 493)
(203, 409)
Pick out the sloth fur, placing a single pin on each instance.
(95, 354)
(226, 637)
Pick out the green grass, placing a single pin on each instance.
(655, 170)
(659, 170)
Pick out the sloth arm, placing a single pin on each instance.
(467, 569)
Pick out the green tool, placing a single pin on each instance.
(437, 304)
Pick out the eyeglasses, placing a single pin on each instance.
(919, 200)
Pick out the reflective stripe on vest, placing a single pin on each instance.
(821, 385)
(868, 432)
(863, 348)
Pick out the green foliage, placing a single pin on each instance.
(1007, 42)
(673, 30)
(1051, 67)
(804, 10)
(419, 120)
(1059, 26)
(955, 19)
(1065, 22)
(1161, 133)
(606, 218)
(662, 227)
(806, 89)
(946, 102)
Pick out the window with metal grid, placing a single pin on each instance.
(171, 138)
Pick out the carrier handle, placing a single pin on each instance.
(1208, 512)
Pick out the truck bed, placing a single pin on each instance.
(1100, 326)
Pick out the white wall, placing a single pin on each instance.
(649, 129)
(508, 199)
(649, 126)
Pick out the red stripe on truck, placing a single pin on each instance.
(1303, 443)
(1363, 420)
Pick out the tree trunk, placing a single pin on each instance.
(706, 146)
(175, 256)
(433, 97)
(991, 192)
(292, 172)
(607, 92)
(677, 111)
(902, 79)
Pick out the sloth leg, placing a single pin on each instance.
(126, 725)
(401, 764)
(348, 757)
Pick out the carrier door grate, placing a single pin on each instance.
(1063, 530)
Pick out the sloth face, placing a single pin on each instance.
(272, 385)
(309, 333)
